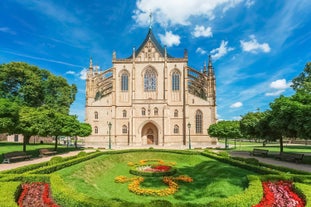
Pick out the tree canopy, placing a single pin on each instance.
(30, 86)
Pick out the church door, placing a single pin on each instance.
(150, 134)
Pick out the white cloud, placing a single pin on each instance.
(253, 46)
(83, 74)
(249, 3)
(221, 51)
(200, 51)
(236, 105)
(178, 12)
(280, 85)
(201, 31)
(70, 72)
(169, 39)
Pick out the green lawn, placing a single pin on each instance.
(212, 179)
(32, 149)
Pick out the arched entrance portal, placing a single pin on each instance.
(149, 134)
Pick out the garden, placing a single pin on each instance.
(152, 177)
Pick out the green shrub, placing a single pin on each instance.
(251, 196)
(304, 192)
(9, 192)
(55, 160)
(82, 154)
(26, 178)
(224, 154)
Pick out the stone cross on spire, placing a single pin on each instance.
(150, 20)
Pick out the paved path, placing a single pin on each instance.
(36, 160)
(303, 167)
(245, 154)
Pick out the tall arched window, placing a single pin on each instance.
(96, 130)
(198, 121)
(176, 129)
(124, 129)
(150, 80)
(124, 113)
(95, 115)
(156, 111)
(124, 82)
(175, 81)
(176, 113)
(143, 111)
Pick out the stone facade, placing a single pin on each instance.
(150, 99)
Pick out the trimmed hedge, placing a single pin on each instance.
(304, 191)
(26, 178)
(66, 196)
(251, 196)
(9, 192)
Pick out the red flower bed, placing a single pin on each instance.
(161, 168)
(279, 194)
(36, 195)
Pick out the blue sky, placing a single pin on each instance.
(257, 46)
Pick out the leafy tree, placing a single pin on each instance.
(85, 130)
(302, 82)
(225, 129)
(35, 91)
(30, 86)
(8, 116)
(30, 123)
(257, 125)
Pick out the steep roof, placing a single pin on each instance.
(156, 43)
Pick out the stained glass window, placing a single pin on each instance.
(124, 82)
(175, 81)
(198, 122)
(150, 80)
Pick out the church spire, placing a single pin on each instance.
(210, 66)
(204, 69)
(91, 64)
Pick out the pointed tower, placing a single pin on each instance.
(211, 80)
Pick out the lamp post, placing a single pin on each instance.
(109, 125)
(189, 125)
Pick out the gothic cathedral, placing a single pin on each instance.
(150, 99)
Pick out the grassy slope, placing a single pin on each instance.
(212, 179)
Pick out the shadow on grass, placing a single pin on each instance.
(212, 179)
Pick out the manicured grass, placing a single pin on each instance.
(212, 179)
(32, 149)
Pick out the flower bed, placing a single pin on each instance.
(152, 168)
(134, 186)
(278, 194)
(36, 195)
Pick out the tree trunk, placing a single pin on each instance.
(281, 144)
(25, 141)
(76, 142)
(56, 142)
